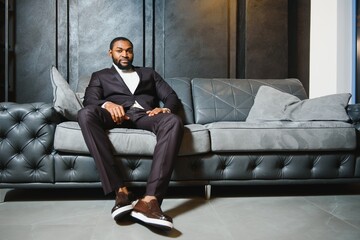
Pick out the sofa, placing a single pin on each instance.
(237, 132)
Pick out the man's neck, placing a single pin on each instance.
(123, 70)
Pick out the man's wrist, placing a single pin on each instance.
(104, 104)
(167, 110)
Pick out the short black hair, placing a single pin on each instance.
(119, 39)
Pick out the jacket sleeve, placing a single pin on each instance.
(166, 94)
(94, 92)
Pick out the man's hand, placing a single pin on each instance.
(117, 112)
(156, 111)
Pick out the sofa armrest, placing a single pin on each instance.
(353, 111)
(26, 142)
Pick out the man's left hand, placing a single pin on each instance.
(156, 111)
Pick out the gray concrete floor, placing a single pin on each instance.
(249, 213)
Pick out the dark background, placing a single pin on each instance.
(178, 38)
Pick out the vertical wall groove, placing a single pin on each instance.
(67, 39)
(228, 37)
(56, 9)
(144, 34)
(241, 36)
(163, 37)
(153, 35)
(6, 85)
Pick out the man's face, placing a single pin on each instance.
(122, 54)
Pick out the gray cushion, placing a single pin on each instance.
(331, 107)
(68, 138)
(282, 136)
(270, 105)
(273, 105)
(64, 99)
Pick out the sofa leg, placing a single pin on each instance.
(207, 191)
(3, 194)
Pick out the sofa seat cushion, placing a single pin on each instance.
(282, 136)
(68, 138)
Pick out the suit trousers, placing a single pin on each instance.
(168, 128)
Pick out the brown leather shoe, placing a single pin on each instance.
(124, 203)
(150, 213)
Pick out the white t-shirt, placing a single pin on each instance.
(131, 79)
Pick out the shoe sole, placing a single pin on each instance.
(120, 212)
(165, 225)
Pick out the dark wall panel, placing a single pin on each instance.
(299, 41)
(196, 39)
(2, 53)
(35, 49)
(358, 51)
(266, 54)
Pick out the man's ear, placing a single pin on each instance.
(110, 53)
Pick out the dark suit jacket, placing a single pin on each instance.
(107, 85)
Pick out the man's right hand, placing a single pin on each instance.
(117, 112)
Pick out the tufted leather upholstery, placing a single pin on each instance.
(26, 140)
(297, 166)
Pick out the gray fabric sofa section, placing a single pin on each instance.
(69, 139)
(281, 136)
(224, 104)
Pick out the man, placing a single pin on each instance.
(127, 96)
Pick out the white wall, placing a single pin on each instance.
(331, 47)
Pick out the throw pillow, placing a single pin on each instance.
(273, 105)
(269, 105)
(326, 108)
(65, 101)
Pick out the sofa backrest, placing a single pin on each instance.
(217, 100)
(182, 87)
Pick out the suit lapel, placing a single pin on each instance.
(139, 72)
(119, 79)
(137, 69)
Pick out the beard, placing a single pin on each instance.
(128, 66)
